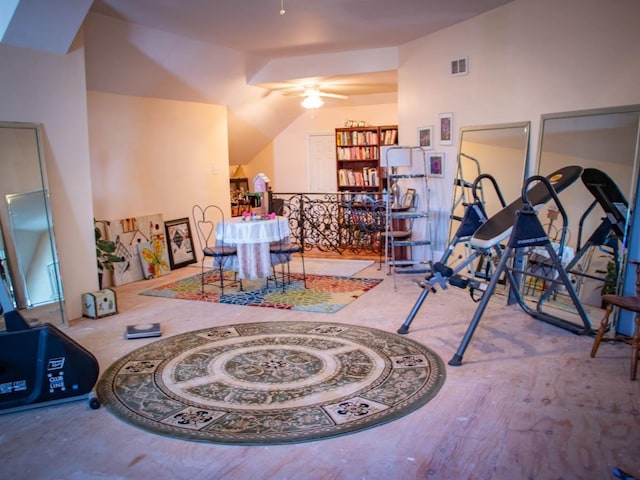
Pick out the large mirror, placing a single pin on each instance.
(28, 253)
(605, 140)
(499, 150)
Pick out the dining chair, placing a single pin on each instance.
(283, 249)
(626, 302)
(205, 221)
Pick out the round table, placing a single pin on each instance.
(252, 239)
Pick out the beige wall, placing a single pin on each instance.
(152, 156)
(49, 89)
(526, 59)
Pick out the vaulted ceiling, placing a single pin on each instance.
(347, 47)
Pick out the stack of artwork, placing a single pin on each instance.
(149, 247)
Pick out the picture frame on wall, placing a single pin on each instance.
(425, 137)
(446, 128)
(436, 164)
(180, 242)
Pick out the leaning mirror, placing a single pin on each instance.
(604, 141)
(30, 269)
(499, 150)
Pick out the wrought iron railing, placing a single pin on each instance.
(339, 222)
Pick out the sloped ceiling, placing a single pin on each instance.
(242, 53)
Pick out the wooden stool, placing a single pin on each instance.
(632, 304)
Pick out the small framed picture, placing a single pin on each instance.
(425, 137)
(436, 164)
(446, 129)
(409, 198)
(180, 243)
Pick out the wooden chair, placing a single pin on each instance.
(205, 220)
(283, 249)
(625, 302)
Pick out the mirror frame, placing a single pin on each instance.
(9, 237)
(525, 125)
(626, 277)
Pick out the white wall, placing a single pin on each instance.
(526, 59)
(290, 148)
(50, 89)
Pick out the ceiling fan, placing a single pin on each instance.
(312, 96)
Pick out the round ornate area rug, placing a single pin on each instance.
(271, 382)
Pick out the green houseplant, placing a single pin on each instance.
(610, 278)
(105, 250)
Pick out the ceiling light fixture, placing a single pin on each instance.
(312, 100)
(282, 10)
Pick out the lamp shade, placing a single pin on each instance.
(395, 156)
(239, 173)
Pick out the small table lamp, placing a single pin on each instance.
(395, 156)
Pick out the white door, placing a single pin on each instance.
(321, 162)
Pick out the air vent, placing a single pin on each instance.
(460, 66)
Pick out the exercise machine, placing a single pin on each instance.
(40, 365)
(485, 236)
(473, 217)
(609, 236)
(527, 232)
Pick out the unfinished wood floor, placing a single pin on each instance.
(527, 403)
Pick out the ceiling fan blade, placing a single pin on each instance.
(332, 95)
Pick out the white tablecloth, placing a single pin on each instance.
(252, 239)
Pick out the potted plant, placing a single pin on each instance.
(105, 250)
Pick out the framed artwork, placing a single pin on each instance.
(425, 137)
(436, 165)
(409, 198)
(180, 242)
(152, 259)
(446, 129)
(127, 233)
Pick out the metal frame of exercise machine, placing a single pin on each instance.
(609, 234)
(473, 218)
(487, 237)
(527, 232)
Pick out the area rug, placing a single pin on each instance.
(329, 266)
(271, 382)
(324, 293)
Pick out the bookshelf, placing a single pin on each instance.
(358, 156)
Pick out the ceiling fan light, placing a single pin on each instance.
(312, 101)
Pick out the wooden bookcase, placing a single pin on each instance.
(358, 156)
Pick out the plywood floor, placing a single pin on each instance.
(528, 403)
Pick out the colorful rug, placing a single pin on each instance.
(271, 382)
(324, 293)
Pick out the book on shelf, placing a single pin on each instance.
(365, 177)
(144, 330)
(390, 137)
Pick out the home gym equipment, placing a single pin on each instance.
(40, 365)
(473, 217)
(487, 235)
(527, 232)
(609, 236)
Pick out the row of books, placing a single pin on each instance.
(357, 137)
(366, 177)
(357, 153)
(389, 137)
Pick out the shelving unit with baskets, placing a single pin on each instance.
(408, 247)
(358, 156)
